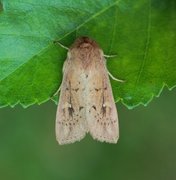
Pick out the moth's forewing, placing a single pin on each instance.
(71, 124)
(103, 118)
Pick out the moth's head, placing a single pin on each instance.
(84, 43)
(85, 48)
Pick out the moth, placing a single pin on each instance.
(86, 101)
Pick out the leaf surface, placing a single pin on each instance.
(141, 32)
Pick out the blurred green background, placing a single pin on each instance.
(146, 149)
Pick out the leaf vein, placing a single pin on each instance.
(141, 69)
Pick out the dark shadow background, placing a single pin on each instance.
(146, 149)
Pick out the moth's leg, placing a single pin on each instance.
(63, 69)
(57, 90)
(61, 45)
(109, 56)
(118, 80)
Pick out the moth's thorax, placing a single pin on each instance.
(85, 51)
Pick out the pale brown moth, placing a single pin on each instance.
(86, 101)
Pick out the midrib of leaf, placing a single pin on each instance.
(98, 13)
(75, 29)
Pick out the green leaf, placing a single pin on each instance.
(141, 32)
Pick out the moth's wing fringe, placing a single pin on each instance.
(71, 140)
